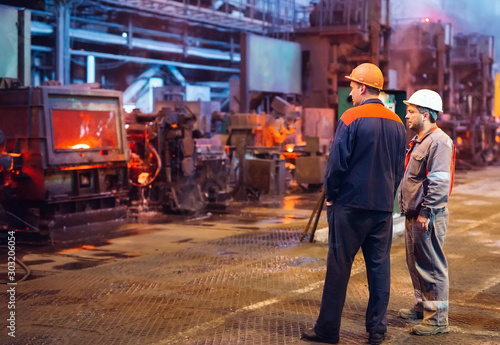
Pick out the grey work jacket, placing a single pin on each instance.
(428, 175)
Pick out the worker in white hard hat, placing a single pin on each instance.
(363, 171)
(423, 196)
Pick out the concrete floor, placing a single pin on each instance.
(241, 278)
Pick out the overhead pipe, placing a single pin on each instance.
(133, 89)
(128, 28)
(214, 84)
(41, 28)
(142, 43)
(138, 59)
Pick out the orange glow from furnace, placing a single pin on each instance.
(13, 154)
(497, 139)
(73, 128)
(460, 141)
(80, 147)
(81, 167)
(84, 247)
(289, 203)
(290, 147)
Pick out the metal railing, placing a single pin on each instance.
(341, 14)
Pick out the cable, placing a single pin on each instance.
(22, 221)
(26, 268)
(158, 168)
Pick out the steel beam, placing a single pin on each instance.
(192, 13)
(177, 74)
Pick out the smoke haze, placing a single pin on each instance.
(466, 16)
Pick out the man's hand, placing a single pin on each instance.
(423, 223)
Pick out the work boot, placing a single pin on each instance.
(376, 338)
(311, 335)
(410, 314)
(429, 329)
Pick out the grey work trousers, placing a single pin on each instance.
(428, 267)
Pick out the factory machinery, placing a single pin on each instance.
(71, 157)
(426, 55)
(68, 153)
(412, 55)
(172, 167)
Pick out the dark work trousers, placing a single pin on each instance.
(428, 267)
(349, 229)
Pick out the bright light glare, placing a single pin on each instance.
(80, 146)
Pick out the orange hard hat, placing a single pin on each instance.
(368, 74)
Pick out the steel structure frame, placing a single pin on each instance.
(258, 16)
(340, 35)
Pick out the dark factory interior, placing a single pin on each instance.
(163, 161)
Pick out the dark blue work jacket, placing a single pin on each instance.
(366, 159)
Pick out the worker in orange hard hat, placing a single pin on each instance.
(364, 168)
(366, 74)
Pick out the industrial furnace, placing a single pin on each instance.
(70, 156)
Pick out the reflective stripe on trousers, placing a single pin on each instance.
(428, 267)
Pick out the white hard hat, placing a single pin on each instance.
(426, 98)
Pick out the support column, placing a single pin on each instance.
(244, 92)
(90, 69)
(24, 47)
(440, 59)
(62, 43)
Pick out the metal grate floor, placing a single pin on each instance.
(260, 287)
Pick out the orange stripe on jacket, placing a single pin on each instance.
(368, 110)
(452, 167)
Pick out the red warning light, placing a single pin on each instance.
(427, 20)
